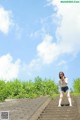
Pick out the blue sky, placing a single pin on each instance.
(39, 38)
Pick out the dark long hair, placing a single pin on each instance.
(62, 74)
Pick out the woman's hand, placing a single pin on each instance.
(63, 81)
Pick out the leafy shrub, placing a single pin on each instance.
(76, 85)
(14, 88)
(28, 86)
(45, 87)
(27, 89)
(3, 93)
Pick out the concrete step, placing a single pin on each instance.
(65, 112)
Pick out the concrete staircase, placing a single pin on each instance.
(65, 112)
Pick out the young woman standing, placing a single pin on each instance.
(63, 83)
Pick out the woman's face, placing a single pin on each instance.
(61, 75)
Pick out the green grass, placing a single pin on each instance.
(53, 96)
(75, 94)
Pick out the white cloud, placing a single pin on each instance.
(39, 33)
(48, 50)
(32, 68)
(5, 20)
(61, 63)
(8, 69)
(69, 29)
(18, 31)
(67, 33)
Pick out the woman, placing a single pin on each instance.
(63, 83)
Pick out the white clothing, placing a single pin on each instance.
(64, 84)
(61, 84)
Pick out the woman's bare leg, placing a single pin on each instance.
(60, 99)
(69, 98)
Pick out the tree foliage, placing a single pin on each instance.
(76, 85)
(27, 89)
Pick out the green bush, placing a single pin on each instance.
(76, 85)
(28, 86)
(51, 87)
(27, 89)
(33, 89)
(3, 92)
(14, 88)
(45, 87)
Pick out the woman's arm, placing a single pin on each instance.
(65, 81)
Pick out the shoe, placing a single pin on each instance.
(70, 105)
(59, 105)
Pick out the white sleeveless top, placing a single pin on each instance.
(61, 84)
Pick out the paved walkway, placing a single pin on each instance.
(22, 109)
(42, 108)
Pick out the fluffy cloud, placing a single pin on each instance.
(8, 69)
(67, 33)
(32, 68)
(5, 20)
(48, 50)
(69, 30)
